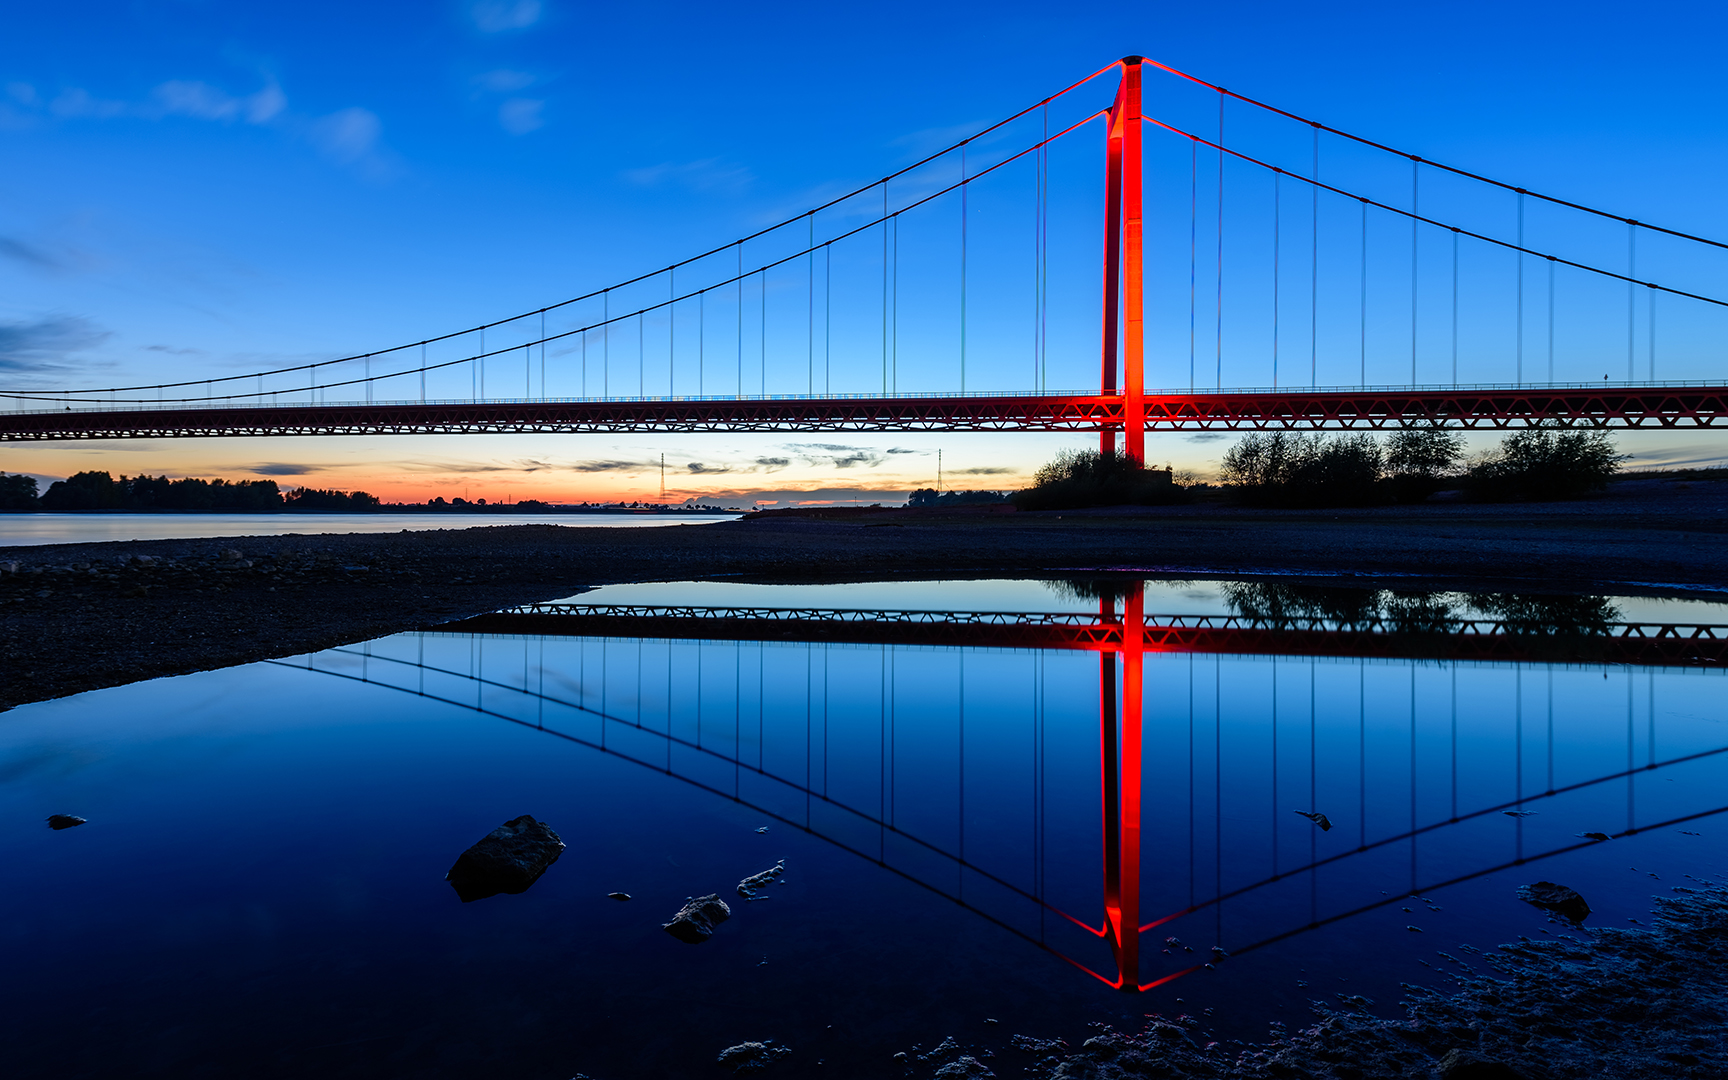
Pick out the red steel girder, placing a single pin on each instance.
(1495, 407)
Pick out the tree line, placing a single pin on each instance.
(99, 490)
(1296, 469)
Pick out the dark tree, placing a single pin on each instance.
(1546, 462)
(18, 493)
(1078, 478)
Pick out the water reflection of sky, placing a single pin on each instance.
(259, 888)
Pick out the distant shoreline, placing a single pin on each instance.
(475, 511)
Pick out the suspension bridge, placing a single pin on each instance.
(1241, 286)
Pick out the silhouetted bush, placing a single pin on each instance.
(83, 491)
(18, 493)
(1419, 459)
(321, 499)
(1284, 468)
(1545, 462)
(1080, 478)
(931, 497)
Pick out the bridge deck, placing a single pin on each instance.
(1652, 406)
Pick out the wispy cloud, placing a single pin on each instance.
(983, 470)
(519, 116)
(614, 466)
(177, 97)
(281, 468)
(29, 254)
(837, 455)
(502, 16)
(773, 464)
(350, 136)
(202, 101)
(1206, 436)
(347, 135)
(504, 80)
(707, 175)
(46, 344)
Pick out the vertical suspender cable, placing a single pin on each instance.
(606, 343)
(894, 315)
(542, 353)
(641, 353)
(740, 319)
(1415, 208)
(884, 288)
(1193, 245)
(810, 308)
(828, 318)
(764, 331)
(1277, 230)
(702, 343)
(1520, 323)
(1314, 272)
(1454, 306)
(1631, 292)
(1550, 318)
(1652, 337)
(482, 362)
(1362, 306)
(422, 373)
(671, 329)
(1220, 333)
(964, 190)
(1044, 261)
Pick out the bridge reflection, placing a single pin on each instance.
(971, 770)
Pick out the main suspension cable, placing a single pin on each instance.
(1435, 164)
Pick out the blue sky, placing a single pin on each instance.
(197, 188)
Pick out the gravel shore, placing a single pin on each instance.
(76, 617)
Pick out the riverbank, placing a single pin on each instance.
(76, 617)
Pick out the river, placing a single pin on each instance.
(952, 774)
(29, 530)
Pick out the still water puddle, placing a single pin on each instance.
(999, 805)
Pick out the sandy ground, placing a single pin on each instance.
(75, 617)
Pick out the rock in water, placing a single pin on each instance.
(1556, 898)
(696, 920)
(64, 821)
(506, 860)
(1468, 1065)
(618, 895)
(1317, 818)
(750, 1057)
(751, 887)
